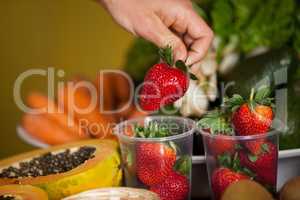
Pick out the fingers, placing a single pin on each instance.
(154, 30)
(200, 36)
(190, 32)
(195, 33)
(188, 40)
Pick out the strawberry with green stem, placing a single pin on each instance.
(264, 164)
(154, 160)
(222, 178)
(163, 83)
(217, 123)
(230, 171)
(252, 117)
(158, 164)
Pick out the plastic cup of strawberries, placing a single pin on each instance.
(157, 154)
(241, 142)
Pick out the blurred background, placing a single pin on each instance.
(77, 36)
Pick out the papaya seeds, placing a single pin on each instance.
(49, 163)
(102, 169)
(246, 190)
(290, 190)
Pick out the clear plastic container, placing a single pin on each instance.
(162, 165)
(232, 158)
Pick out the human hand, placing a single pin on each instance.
(167, 22)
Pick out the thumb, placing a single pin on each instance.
(154, 30)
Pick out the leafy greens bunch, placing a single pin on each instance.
(269, 24)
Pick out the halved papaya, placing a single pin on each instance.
(22, 192)
(67, 169)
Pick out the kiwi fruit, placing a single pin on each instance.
(246, 190)
(290, 190)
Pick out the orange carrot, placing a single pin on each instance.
(97, 124)
(42, 128)
(39, 101)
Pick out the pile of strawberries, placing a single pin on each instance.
(156, 169)
(233, 159)
(161, 166)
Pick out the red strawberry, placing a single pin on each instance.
(255, 146)
(154, 162)
(174, 187)
(222, 178)
(249, 121)
(264, 164)
(252, 117)
(163, 84)
(220, 146)
(216, 123)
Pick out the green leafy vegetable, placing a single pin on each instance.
(269, 24)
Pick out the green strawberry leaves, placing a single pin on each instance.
(153, 130)
(248, 172)
(184, 165)
(252, 158)
(238, 147)
(234, 102)
(139, 131)
(166, 54)
(262, 93)
(225, 160)
(217, 123)
(233, 162)
(262, 96)
(181, 65)
(265, 148)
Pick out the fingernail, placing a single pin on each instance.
(188, 61)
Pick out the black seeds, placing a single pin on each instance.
(49, 164)
(7, 197)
